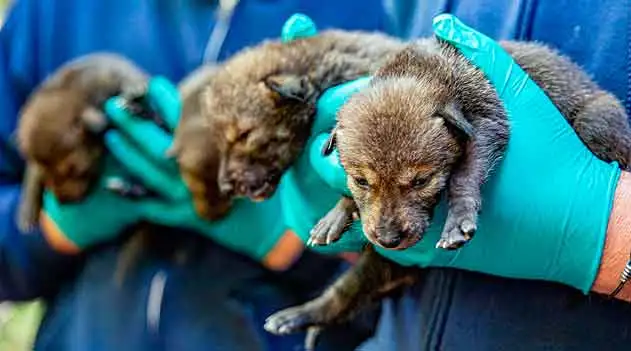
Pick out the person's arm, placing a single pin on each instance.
(617, 250)
(29, 267)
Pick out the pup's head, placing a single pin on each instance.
(55, 133)
(398, 141)
(260, 106)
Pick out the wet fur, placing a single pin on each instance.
(60, 136)
(430, 113)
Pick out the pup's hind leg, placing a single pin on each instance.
(603, 126)
(331, 227)
(31, 198)
(368, 280)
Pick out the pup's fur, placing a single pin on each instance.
(258, 110)
(60, 136)
(430, 119)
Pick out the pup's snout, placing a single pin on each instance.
(256, 184)
(257, 189)
(389, 240)
(226, 187)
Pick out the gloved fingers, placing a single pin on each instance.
(328, 167)
(331, 101)
(500, 68)
(152, 140)
(124, 187)
(166, 184)
(164, 98)
(298, 26)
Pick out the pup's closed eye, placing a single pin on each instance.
(361, 182)
(242, 136)
(419, 182)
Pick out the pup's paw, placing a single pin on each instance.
(458, 230)
(293, 320)
(25, 225)
(135, 103)
(135, 91)
(330, 228)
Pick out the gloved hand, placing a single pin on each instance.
(546, 206)
(67, 227)
(254, 229)
(101, 216)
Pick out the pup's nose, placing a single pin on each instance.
(252, 181)
(254, 188)
(390, 241)
(226, 187)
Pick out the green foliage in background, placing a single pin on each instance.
(18, 325)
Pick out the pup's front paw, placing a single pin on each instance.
(134, 91)
(459, 229)
(330, 228)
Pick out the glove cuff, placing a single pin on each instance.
(56, 238)
(584, 279)
(285, 252)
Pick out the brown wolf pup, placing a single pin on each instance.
(60, 135)
(431, 122)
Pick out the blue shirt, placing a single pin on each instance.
(167, 37)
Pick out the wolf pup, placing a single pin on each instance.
(60, 133)
(430, 121)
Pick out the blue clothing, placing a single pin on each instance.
(201, 303)
(457, 310)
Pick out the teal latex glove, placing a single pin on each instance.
(545, 208)
(254, 229)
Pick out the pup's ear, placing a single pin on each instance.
(93, 120)
(330, 143)
(293, 87)
(453, 116)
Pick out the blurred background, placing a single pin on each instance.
(18, 322)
